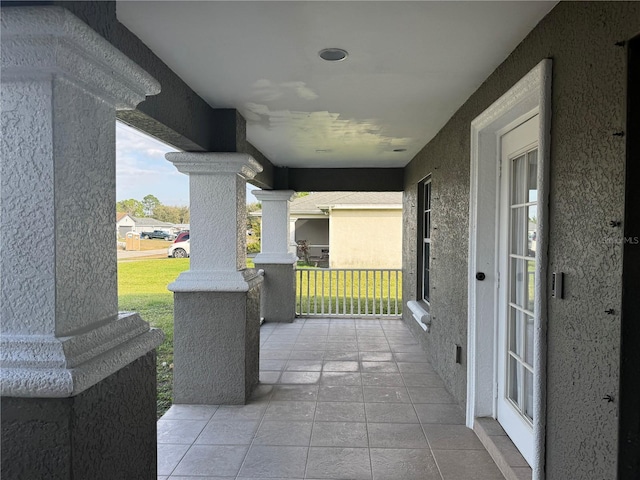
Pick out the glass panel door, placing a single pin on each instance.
(521, 274)
(516, 266)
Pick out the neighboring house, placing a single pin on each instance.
(359, 229)
(126, 223)
(147, 224)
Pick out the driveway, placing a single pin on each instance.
(131, 254)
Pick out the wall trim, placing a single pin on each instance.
(532, 93)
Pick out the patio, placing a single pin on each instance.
(339, 399)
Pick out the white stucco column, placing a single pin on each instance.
(61, 86)
(216, 302)
(275, 236)
(275, 259)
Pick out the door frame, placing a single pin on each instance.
(629, 405)
(532, 93)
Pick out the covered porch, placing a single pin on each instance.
(352, 399)
(338, 398)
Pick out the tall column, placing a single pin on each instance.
(216, 302)
(278, 302)
(77, 378)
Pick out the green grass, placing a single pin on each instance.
(142, 288)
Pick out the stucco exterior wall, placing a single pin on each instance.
(106, 432)
(586, 193)
(365, 238)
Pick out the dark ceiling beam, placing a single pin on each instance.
(177, 115)
(339, 179)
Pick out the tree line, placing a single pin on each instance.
(150, 206)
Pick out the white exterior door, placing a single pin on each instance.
(516, 286)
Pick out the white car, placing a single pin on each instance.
(179, 250)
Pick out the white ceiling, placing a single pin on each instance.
(411, 65)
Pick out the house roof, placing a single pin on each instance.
(150, 222)
(120, 215)
(314, 203)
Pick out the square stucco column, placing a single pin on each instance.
(65, 347)
(217, 301)
(278, 302)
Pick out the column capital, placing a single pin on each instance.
(273, 195)
(46, 40)
(213, 163)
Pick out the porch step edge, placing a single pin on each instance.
(502, 450)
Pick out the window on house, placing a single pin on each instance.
(424, 239)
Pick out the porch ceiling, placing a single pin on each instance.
(411, 65)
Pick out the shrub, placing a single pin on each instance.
(253, 247)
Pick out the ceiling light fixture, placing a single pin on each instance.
(333, 54)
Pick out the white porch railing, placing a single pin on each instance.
(343, 292)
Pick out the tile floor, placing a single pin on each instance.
(339, 399)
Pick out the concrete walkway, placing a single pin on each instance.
(125, 255)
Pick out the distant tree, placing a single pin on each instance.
(253, 228)
(183, 214)
(131, 206)
(166, 213)
(300, 194)
(254, 224)
(150, 203)
(254, 207)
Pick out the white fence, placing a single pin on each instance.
(354, 293)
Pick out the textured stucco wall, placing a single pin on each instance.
(86, 196)
(106, 432)
(216, 346)
(278, 300)
(365, 238)
(587, 189)
(66, 208)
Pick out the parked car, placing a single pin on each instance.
(182, 236)
(161, 234)
(179, 250)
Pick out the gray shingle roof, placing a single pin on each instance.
(312, 202)
(150, 222)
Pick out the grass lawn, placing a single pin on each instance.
(142, 288)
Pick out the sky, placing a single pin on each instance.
(141, 169)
